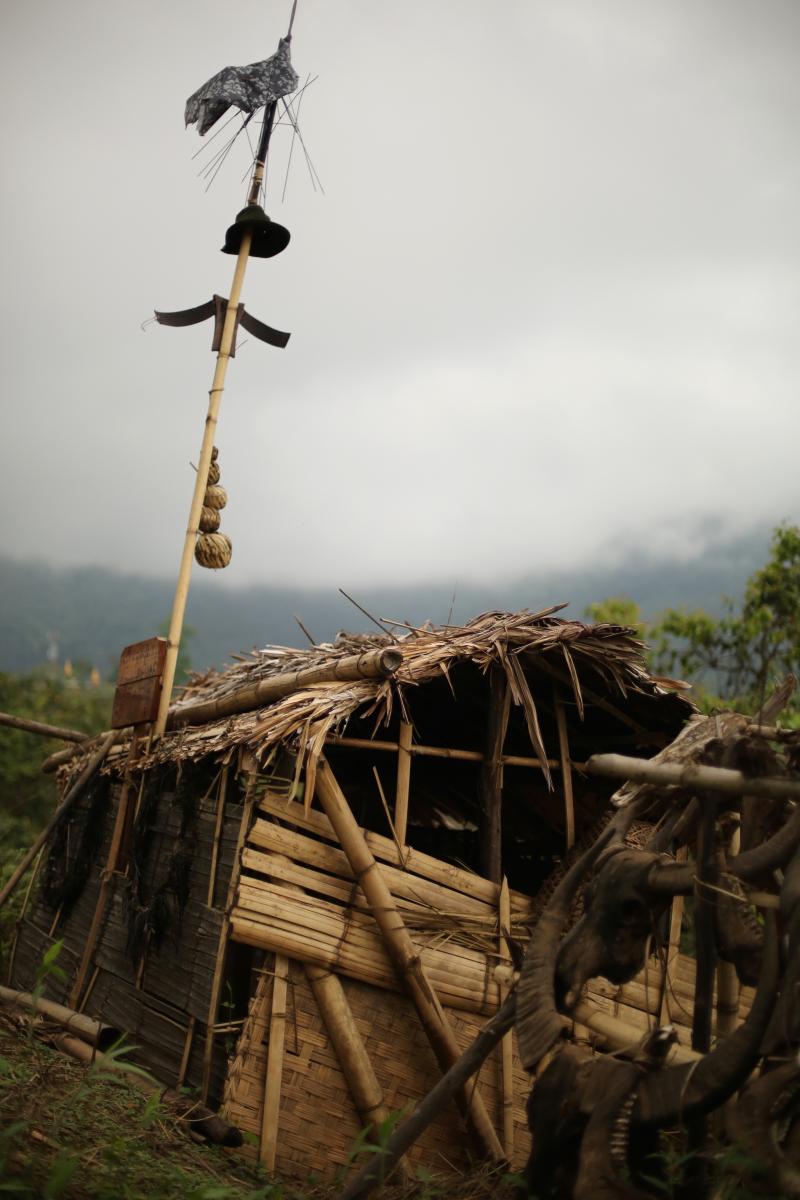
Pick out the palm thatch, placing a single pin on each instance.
(588, 659)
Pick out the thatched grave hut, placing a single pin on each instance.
(294, 903)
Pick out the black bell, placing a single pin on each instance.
(269, 238)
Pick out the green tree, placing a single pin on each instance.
(617, 610)
(738, 658)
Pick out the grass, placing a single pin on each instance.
(68, 1132)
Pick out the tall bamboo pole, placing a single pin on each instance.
(207, 445)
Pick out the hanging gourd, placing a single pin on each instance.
(213, 549)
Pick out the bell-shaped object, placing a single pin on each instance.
(269, 238)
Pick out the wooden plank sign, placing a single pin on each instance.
(141, 667)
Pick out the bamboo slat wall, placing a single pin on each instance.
(297, 897)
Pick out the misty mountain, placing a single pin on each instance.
(90, 613)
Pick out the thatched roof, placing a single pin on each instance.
(597, 663)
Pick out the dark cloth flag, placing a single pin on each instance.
(247, 88)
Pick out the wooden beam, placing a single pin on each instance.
(212, 870)
(403, 953)
(403, 787)
(538, 662)
(268, 1145)
(417, 751)
(491, 783)
(566, 769)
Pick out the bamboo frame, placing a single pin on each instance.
(222, 944)
(402, 951)
(43, 730)
(566, 768)
(268, 1144)
(673, 946)
(507, 1043)
(403, 781)
(727, 979)
(491, 785)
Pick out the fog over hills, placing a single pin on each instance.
(90, 613)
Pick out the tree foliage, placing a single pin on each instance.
(735, 659)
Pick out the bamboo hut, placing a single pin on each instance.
(296, 901)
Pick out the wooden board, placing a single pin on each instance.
(141, 667)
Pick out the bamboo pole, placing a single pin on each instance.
(200, 484)
(712, 779)
(72, 795)
(507, 1044)
(673, 945)
(187, 1050)
(403, 781)
(91, 1031)
(373, 664)
(52, 731)
(491, 785)
(25, 900)
(418, 751)
(402, 951)
(268, 1145)
(566, 768)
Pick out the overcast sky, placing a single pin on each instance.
(545, 313)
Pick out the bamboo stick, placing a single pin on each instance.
(91, 1031)
(618, 1034)
(24, 908)
(268, 1145)
(107, 877)
(419, 751)
(566, 768)
(403, 781)
(373, 664)
(507, 1044)
(43, 730)
(491, 784)
(713, 779)
(402, 950)
(212, 870)
(72, 795)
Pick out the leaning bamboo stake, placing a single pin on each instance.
(89, 1030)
(72, 795)
(25, 901)
(712, 779)
(727, 979)
(566, 769)
(268, 1146)
(38, 727)
(507, 1044)
(491, 784)
(402, 951)
(403, 781)
(107, 877)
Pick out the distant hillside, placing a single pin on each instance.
(90, 613)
